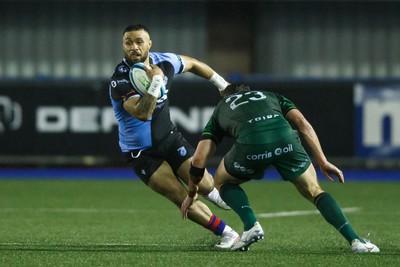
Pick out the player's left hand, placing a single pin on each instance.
(186, 205)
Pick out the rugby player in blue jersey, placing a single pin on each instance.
(261, 123)
(157, 152)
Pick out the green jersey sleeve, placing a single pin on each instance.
(285, 104)
(212, 130)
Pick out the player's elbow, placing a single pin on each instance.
(140, 113)
(298, 121)
(305, 128)
(143, 116)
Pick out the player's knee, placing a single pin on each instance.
(314, 191)
(310, 191)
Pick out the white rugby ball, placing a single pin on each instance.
(140, 80)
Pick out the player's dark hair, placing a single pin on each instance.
(136, 27)
(234, 88)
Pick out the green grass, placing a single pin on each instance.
(123, 223)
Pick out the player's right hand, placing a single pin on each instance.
(328, 169)
(186, 205)
(153, 70)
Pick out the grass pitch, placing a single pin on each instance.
(123, 223)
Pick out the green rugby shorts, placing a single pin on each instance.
(249, 161)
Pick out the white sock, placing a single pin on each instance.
(227, 229)
(214, 194)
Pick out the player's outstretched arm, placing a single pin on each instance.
(204, 150)
(201, 69)
(297, 120)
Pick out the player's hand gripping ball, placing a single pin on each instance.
(140, 80)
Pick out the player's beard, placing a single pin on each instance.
(141, 58)
(144, 56)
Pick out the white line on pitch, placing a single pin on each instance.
(300, 213)
(68, 210)
(92, 210)
(96, 244)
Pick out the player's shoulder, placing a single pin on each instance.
(167, 61)
(158, 57)
(122, 69)
(120, 84)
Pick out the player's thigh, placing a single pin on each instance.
(307, 184)
(223, 177)
(183, 170)
(164, 182)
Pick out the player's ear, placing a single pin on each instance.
(150, 43)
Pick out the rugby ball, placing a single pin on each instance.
(140, 81)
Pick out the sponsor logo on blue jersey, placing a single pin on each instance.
(122, 81)
(123, 69)
(182, 151)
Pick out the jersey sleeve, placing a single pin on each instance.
(285, 104)
(121, 87)
(174, 59)
(212, 131)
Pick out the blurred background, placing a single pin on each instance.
(339, 61)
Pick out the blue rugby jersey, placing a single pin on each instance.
(135, 134)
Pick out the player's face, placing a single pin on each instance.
(136, 45)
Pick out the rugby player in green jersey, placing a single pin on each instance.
(263, 125)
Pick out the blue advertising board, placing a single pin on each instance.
(377, 111)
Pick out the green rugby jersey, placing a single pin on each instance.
(252, 117)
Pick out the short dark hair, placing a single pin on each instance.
(234, 88)
(136, 27)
